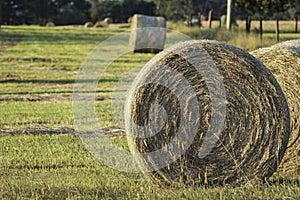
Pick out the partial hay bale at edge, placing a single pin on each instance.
(283, 60)
(256, 129)
(292, 45)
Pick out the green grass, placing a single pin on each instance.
(27, 114)
(237, 36)
(57, 166)
(40, 61)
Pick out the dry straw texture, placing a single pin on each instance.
(256, 127)
(283, 60)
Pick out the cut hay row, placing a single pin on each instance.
(61, 130)
(63, 97)
(283, 60)
(185, 130)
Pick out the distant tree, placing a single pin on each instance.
(120, 11)
(179, 9)
(1, 5)
(72, 12)
(294, 9)
(204, 6)
(37, 11)
(261, 7)
(11, 10)
(107, 8)
(175, 9)
(41, 11)
(131, 7)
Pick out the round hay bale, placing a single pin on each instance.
(50, 24)
(205, 112)
(101, 24)
(129, 20)
(108, 20)
(293, 45)
(88, 25)
(284, 62)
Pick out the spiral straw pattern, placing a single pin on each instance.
(283, 60)
(205, 112)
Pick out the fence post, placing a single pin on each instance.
(228, 18)
(210, 18)
(199, 20)
(188, 20)
(260, 28)
(296, 25)
(248, 24)
(277, 30)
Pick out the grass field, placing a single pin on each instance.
(37, 74)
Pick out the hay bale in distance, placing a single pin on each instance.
(148, 34)
(129, 20)
(50, 24)
(283, 60)
(88, 25)
(108, 20)
(256, 118)
(101, 24)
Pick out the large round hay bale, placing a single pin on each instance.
(283, 60)
(205, 112)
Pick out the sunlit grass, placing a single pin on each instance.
(44, 61)
(237, 36)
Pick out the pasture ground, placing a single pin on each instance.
(37, 73)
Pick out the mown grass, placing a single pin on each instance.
(44, 61)
(57, 166)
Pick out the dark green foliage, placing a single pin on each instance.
(43, 11)
(175, 10)
(121, 11)
(268, 8)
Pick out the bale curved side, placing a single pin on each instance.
(88, 25)
(292, 45)
(283, 60)
(256, 127)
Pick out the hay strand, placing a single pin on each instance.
(283, 60)
(160, 112)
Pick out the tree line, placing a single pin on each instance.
(63, 12)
